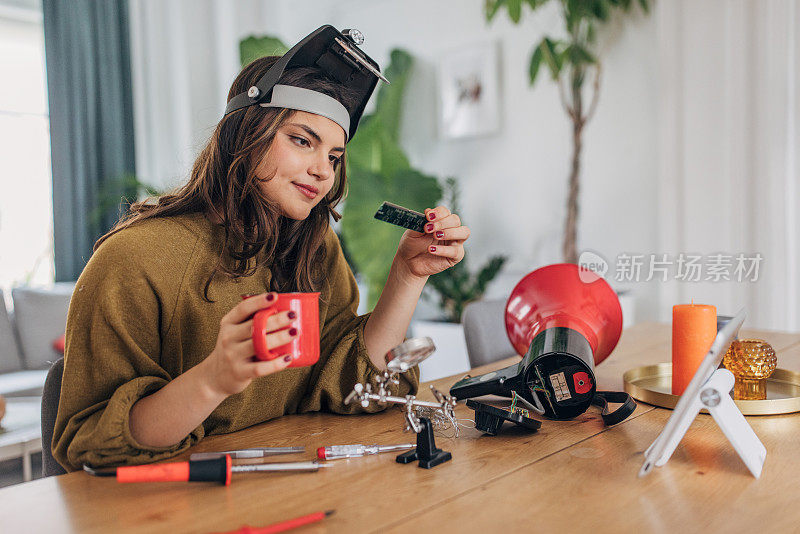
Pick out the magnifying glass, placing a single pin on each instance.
(409, 353)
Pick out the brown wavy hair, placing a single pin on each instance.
(223, 183)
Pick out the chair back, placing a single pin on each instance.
(485, 332)
(50, 397)
(41, 318)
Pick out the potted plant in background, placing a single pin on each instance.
(572, 60)
(455, 288)
(378, 170)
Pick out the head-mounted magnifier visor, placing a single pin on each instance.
(337, 55)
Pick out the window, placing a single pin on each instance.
(26, 206)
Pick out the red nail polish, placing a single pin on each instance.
(433, 249)
(287, 358)
(291, 315)
(293, 331)
(431, 216)
(429, 228)
(440, 235)
(270, 297)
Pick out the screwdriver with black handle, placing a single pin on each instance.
(211, 470)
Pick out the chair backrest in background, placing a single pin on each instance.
(485, 332)
(50, 398)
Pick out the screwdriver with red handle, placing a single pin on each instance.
(211, 470)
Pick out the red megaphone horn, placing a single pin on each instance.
(562, 320)
(564, 295)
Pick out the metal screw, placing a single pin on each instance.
(710, 397)
(253, 92)
(356, 36)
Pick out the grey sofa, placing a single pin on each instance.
(26, 336)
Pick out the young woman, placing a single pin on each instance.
(158, 346)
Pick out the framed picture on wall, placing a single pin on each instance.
(469, 91)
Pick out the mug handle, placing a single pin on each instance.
(260, 334)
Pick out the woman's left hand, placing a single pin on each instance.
(439, 248)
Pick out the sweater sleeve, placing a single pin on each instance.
(343, 353)
(112, 358)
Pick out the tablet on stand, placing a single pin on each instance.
(710, 389)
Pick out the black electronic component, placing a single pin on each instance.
(490, 419)
(400, 216)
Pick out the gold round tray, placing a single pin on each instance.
(653, 384)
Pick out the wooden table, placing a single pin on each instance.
(568, 476)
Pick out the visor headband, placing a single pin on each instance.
(291, 97)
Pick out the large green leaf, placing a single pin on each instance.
(601, 9)
(578, 55)
(375, 147)
(536, 4)
(591, 33)
(389, 104)
(374, 150)
(536, 62)
(514, 9)
(491, 7)
(254, 47)
(378, 170)
(551, 53)
(373, 243)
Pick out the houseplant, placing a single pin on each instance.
(572, 60)
(379, 170)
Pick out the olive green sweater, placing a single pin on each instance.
(138, 319)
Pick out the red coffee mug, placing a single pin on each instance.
(305, 346)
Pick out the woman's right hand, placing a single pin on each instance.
(231, 366)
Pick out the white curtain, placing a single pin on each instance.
(184, 56)
(728, 174)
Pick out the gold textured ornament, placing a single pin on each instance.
(751, 361)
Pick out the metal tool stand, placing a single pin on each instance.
(426, 452)
(399, 360)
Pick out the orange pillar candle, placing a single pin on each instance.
(694, 327)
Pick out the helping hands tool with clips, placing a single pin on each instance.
(217, 469)
(399, 360)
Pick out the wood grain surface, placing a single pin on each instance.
(568, 476)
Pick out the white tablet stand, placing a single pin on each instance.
(712, 394)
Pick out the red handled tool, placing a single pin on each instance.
(211, 470)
